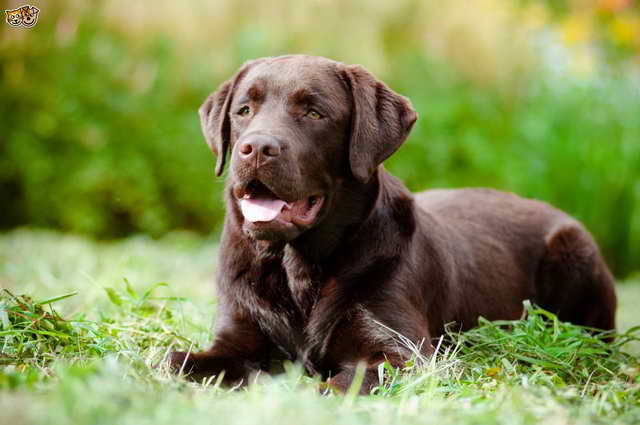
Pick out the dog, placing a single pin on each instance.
(29, 16)
(326, 259)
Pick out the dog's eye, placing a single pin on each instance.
(314, 115)
(244, 111)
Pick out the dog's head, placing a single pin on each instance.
(296, 128)
(29, 15)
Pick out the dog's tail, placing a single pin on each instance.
(573, 280)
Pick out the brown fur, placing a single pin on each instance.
(375, 253)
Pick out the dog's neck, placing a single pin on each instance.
(364, 218)
(352, 205)
(352, 212)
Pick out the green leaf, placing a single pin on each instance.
(58, 298)
(130, 289)
(114, 297)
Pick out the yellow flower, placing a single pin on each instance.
(625, 30)
(576, 30)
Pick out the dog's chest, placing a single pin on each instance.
(304, 281)
(289, 301)
(310, 318)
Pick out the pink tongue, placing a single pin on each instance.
(261, 209)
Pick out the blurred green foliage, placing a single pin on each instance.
(87, 149)
(100, 133)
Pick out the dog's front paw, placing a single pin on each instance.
(180, 362)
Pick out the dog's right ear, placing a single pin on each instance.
(214, 117)
(381, 121)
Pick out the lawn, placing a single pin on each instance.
(130, 301)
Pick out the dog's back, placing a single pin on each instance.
(566, 273)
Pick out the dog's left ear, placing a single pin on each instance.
(381, 120)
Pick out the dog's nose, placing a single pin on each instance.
(261, 147)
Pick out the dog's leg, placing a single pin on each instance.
(343, 380)
(573, 280)
(238, 351)
(197, 366)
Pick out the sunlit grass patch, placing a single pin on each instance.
(95, 356)
(537, 358)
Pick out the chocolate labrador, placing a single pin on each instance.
(327, 259)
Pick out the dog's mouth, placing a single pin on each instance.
(260, 205)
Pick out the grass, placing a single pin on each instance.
(84, 346)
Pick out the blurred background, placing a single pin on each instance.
(99, 133)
